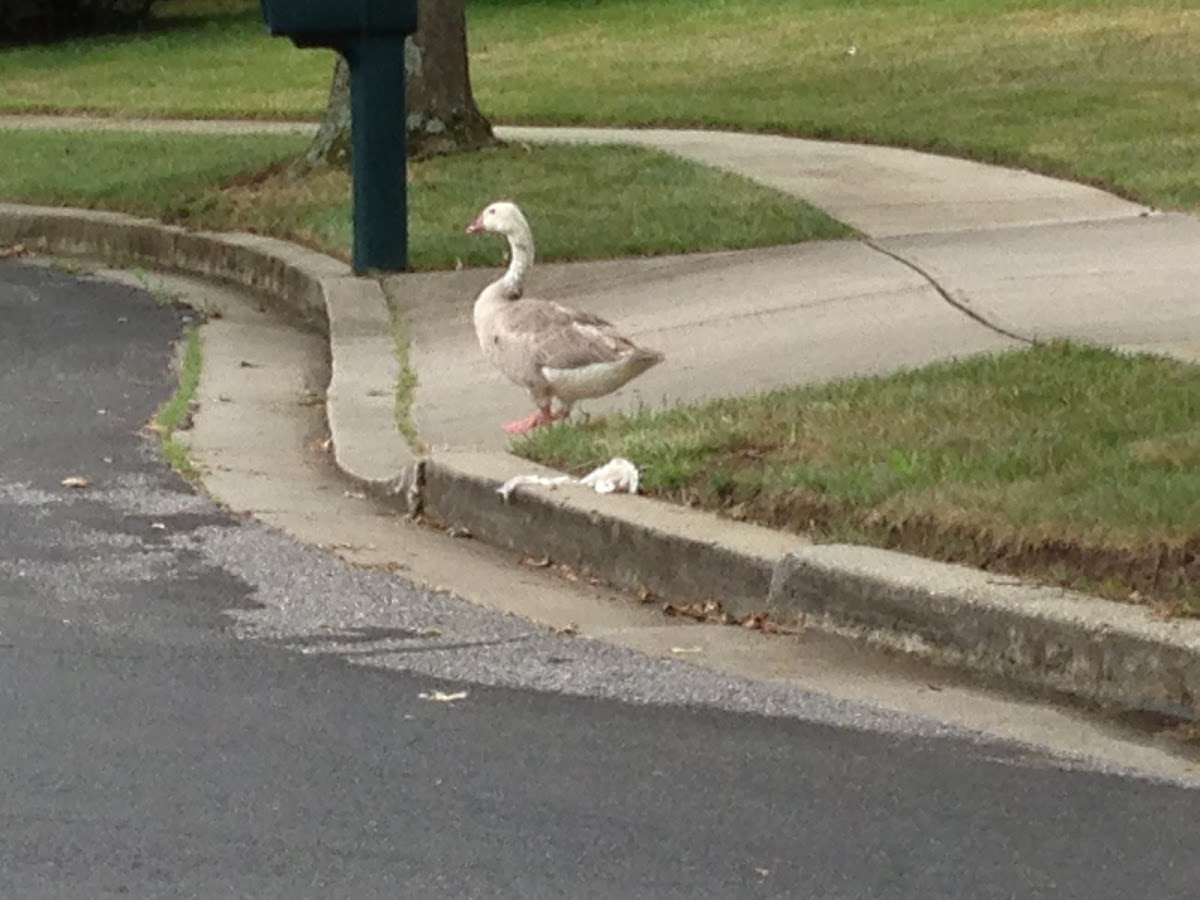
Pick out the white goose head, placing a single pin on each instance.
(500, 217)
(504, 217)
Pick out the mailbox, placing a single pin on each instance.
(320, 22)
(370, 35)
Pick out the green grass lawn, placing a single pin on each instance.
(203, 58)
(1074, 464)
(1099, 90)
(632, 202)
(163, 174)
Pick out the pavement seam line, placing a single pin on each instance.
(348, 646)
(944, 292)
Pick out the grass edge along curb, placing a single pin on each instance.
(1017, 461)
(173, 412)
(1039, 637)
(407, 379)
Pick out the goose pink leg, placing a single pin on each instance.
(541, 416)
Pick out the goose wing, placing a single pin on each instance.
(559, 337)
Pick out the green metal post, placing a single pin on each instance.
(378, 146)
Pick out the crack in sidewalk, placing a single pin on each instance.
(962, 306)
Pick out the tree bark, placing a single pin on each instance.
(440, 107)
(330, 146)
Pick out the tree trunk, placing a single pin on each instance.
(441, 111)
(330, 146)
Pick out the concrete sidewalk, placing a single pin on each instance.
(881, 191)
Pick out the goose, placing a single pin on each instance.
(553, 351)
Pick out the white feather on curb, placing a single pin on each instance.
(617, 476)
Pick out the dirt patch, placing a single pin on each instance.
(275, 188)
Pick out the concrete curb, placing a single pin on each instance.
(308, 287)
(1039, 637)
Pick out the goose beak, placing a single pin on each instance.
(475, 227)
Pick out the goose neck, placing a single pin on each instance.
(520, 252)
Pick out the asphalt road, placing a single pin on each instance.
(155, 743)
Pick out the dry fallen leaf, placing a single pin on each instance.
(708, 611)
(753, 620)
(323, 445)
(542, 563)
(1162, 611)
(76, 481)
(645, 595)
(569, 628)
(769, 627)
(14, 251)
(443, 697)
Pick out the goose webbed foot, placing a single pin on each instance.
(540, 416)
